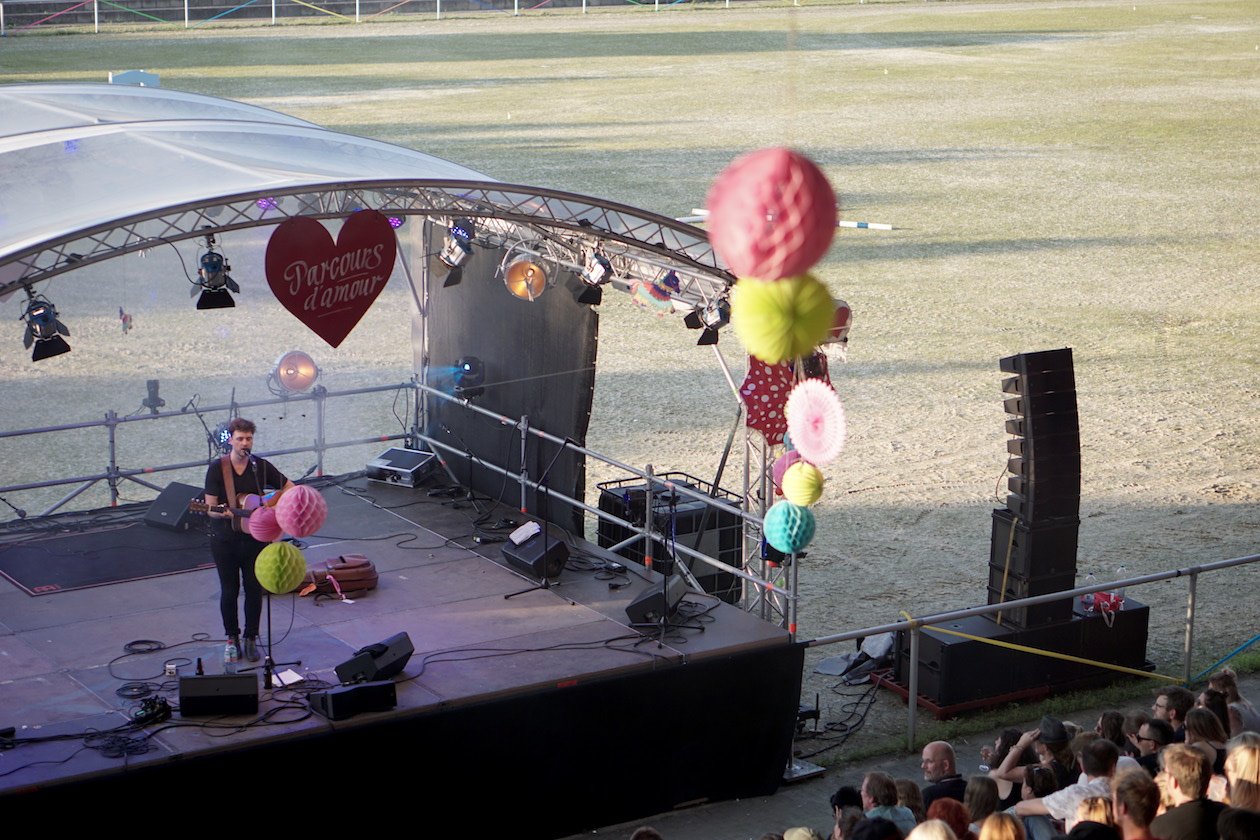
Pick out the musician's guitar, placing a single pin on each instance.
(246, 503)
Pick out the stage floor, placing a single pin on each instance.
(60, 665)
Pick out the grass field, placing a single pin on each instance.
(1075, 174)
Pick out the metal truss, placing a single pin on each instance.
(642, 246)
(775, 602)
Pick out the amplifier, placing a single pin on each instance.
(350, 700)
(218, 694)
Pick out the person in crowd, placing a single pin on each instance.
(932, 830)
(1134, 800)
(846, 819)
(1039, 782)
(1008, 763)
(1216, 703)
(1239, 824)
(1192, 816)
(1133, 722)
(847, 796)
(1243, 716)
(1204, 731)
(646, 832)
(879, 798)
(1002, 827)
(953, 813)
(1099, 762)
(941, 772)
(770, 835)
(1093, 831)
(1096, 809)
(876, 828)
(980, 799)
(1171, 704)
(1054, 748)
(1111, 726)
(1242, 772)
(801, 833)
(1154, 735)
(909, 796)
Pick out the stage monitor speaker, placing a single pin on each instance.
(350, 700)
(377, 662)
(658, 601)
(170, 509)
(531, 558)
(218, 694)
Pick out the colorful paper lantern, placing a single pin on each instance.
(772, 214)
(280, 567)
(301, 511)
(802, 484)
(788, 527)
(781, 466)
(816, 421)
(781, 320)
(263, 526)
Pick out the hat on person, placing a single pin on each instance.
(1053, 731)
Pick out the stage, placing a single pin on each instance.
(548, 703)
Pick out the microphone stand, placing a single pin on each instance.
(269, 664)
(545, 486)
(471, 495)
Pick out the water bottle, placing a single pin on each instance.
(1087, 600)
(1121, 574)
(230, 657)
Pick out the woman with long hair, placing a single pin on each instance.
(1204, 730)
(1008, 758)
(1242, 771)
(1002, 827)
(1243, 717)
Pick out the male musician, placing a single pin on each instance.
(234, 550)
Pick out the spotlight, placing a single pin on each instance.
(596, 272)
(470, 375)
(213, 280)
(458, 246)
(525, 278)
(43, 329)
(712, 318)
(221, 438)
(295, 372)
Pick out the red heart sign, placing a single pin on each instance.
(330, 286)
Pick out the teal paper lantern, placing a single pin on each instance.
(789, 527)
(280, 567)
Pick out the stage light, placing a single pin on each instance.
(715, 315)
(525, 278)
(213, 280)
(458, 246)
(43, 328)
(294, 373)
(470, 375)
(221, 438)
(596, 272)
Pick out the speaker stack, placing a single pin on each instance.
(1032, 552)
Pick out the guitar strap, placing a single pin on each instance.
(229, 487)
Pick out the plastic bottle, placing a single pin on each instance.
(1121, 574)
(1087, 600)
(231, 656)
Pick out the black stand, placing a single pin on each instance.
(269, 664)
(545, 581)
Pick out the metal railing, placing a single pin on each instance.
(915, 625)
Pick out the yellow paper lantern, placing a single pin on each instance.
(782, 319)
(280, 567)
(802, 484)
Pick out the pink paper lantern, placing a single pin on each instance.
(772, 214)
(263, 526)
(816, 421)
(301, 511)
(780, 467)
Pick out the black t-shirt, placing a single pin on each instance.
(258, 476)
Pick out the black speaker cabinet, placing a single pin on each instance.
(218, 694)
(170, 509)
(1040, 362)
(377, 662)
(542, 555)
(350, 700)
(657, 601)
(692, 524)
(1037, 551)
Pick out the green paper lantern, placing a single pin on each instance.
(789, 527)
(280, 567)
(781, 319)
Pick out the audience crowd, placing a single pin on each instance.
(1188, 770)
